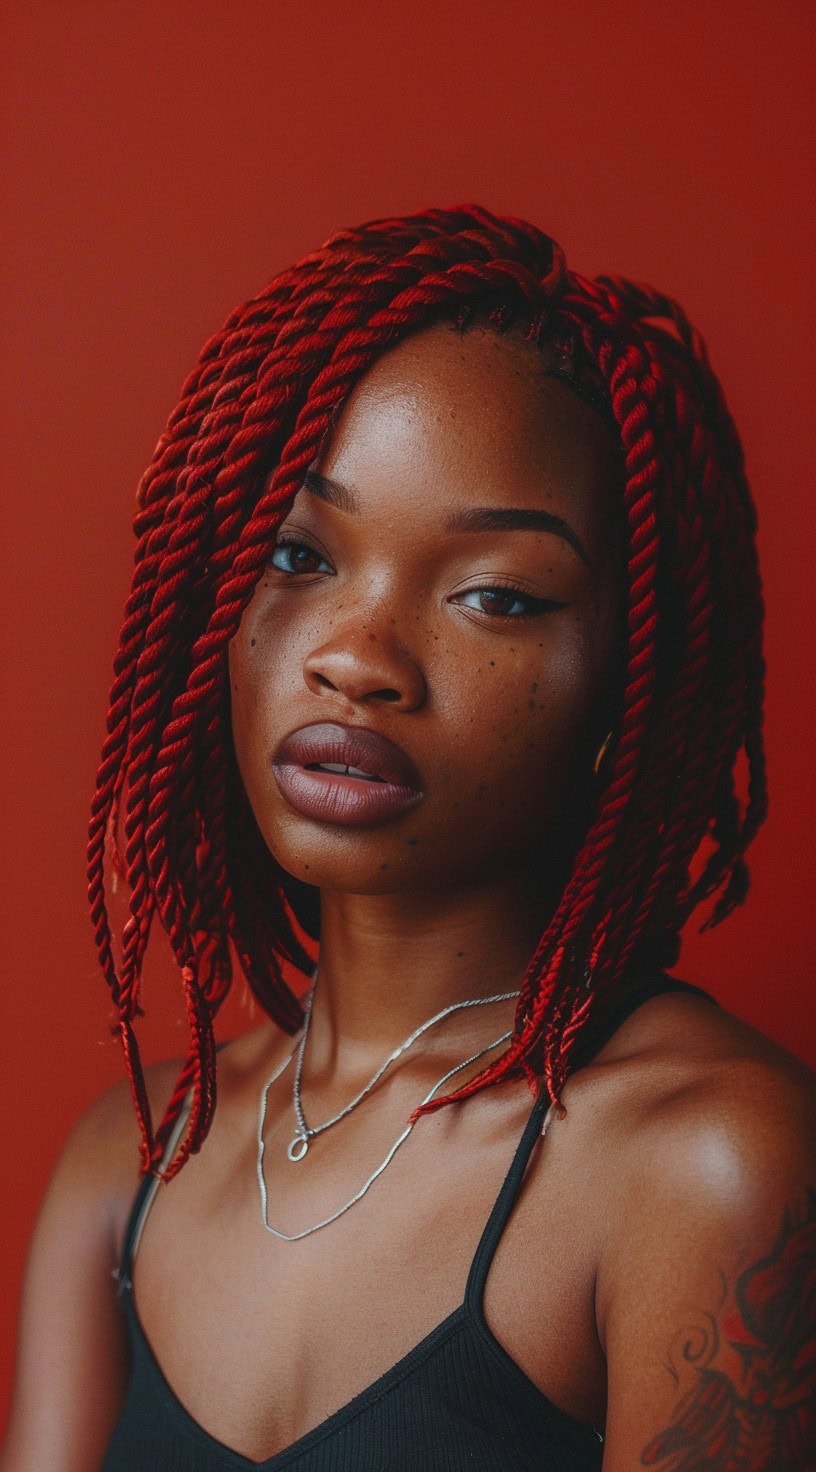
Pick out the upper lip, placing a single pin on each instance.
(355, 746)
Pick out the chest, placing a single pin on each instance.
(263, 1340)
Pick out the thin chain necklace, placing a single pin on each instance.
(299, 1144)
(296, 1236)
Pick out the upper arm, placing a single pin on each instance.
(72, 1360)
(707, 1302)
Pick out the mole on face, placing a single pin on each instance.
(439, 636)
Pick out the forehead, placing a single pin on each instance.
(451, 414)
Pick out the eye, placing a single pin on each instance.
(289, 557)
(505, 601)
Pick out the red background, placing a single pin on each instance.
(161, 163)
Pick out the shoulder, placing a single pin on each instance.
(683, 1084)
(98, 1171)
(707, 1118)
(709, 1247)
(700, 1093)
(72, 1359)
(72, 1356)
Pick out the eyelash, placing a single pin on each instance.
(535, 605)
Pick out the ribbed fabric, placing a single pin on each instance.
(457, 1402)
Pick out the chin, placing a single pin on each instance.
(352, 862)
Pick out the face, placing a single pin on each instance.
(484, 646)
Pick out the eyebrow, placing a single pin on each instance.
(467, 519)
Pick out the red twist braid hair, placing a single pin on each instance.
(169, 809)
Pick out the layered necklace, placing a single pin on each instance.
(299, 1144)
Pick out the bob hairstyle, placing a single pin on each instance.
(169, 810)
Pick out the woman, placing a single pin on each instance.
(443, 645)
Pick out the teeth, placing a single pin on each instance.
(346, 770)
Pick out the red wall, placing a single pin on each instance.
(162, 162)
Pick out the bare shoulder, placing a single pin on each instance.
(710, 1240)
(702, 1086)
(98, 1169)
(709, 1121)
(72, 1358)
(98, 1172)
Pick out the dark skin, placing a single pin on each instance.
(383, 625)
(685, 1140)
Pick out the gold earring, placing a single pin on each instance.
(602, 752)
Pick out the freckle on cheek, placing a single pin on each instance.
(252, 643)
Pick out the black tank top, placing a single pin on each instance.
(457, 1402)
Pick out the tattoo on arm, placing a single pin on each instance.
(752, 1406)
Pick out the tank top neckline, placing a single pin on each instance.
(468, 1313)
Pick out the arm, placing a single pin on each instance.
(73, 1361)
(707, 1302)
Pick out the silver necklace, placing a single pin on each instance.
(296, 1236)
(299, 1144)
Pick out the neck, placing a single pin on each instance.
(388, 962)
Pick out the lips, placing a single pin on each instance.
(353, 746)
(385, 782)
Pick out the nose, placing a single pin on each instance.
(364, 662)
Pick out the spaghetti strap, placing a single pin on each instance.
(143, 1200)
(598, 1031)
(497, 1220)
(459, 1392)
(148, 1186)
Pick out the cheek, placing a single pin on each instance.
(247, 706)
(526, 733)
(532, 700)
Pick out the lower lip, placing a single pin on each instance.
(331, 797)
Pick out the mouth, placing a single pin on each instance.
(349, 775)
(345, 770)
